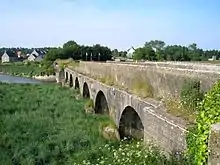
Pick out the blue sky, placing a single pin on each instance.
(114, 23)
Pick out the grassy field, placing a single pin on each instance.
(47, 124)
(28, 69)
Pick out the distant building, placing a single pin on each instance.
(9, 56)
(36, 55)
(33, 57)
(212, 59)
(130, 52)
(19, 54)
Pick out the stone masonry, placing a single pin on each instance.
(166, 79)
(165, 130)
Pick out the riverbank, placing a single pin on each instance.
(50, 78)
(52, 127)
(38, 71)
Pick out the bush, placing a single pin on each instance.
(209, 113)
(30, 68)
(191, 95)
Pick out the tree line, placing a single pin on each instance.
(75, 51)
(156, 50)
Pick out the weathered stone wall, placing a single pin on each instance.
(207, 67)
(165, 81)
(164, 129)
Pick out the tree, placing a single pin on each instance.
(139, 54)
(70, 43)
(150, 54)
(72, 50)
(54, 54)
(156, 44)
(115, 53)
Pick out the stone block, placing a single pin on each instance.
(214, 145)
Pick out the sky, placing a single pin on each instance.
(114, 23)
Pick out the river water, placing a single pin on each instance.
(19, 80)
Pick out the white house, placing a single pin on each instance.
(9, 56)
(130, 52)
(36, 55)
(33, 57)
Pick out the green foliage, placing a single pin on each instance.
(134, 152)
(191, 95)
(175, 108)
(173, 52)
(28, 69)
(146, 53)
(54, 54)
(89, 104)
(79, 52)
(209, 113)
(45, 124)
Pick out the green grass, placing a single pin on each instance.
(47, 124)
(28, 69)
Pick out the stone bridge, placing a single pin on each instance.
(133, 116)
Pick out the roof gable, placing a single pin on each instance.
(132, 49)
(10, 53)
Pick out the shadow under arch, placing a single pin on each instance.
(86, 93)
(66, 77)
(71, 81)
(130, 125)
(76, 83)
(101, 104)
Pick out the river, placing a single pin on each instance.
(19, 80)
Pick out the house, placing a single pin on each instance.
(9, 56)
(36, 55)
(213, 58)
(130, 52)
(33, 57)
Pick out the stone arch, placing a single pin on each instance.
(130, 124)
(101, 104)
(71, 81)
(66, 77)
(77, 83)
(86, 93)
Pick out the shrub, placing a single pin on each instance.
(191, 95)
(209, 113)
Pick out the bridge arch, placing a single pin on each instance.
(66, 76)
(86, 93)
(71, 81)
(77, 83)
(130, 124)
(101, 104)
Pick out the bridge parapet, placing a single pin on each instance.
(164, 81)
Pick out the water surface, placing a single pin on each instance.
(19, 80)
